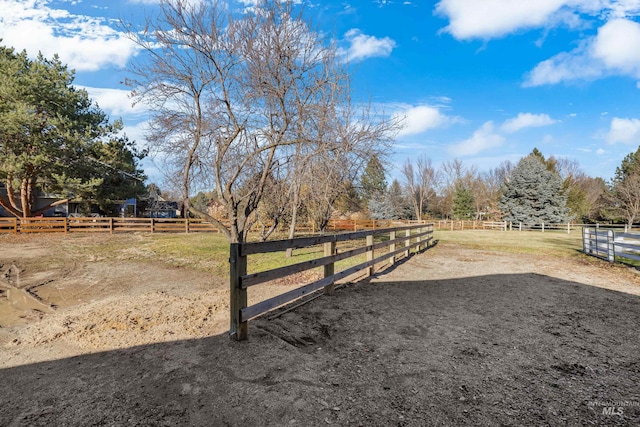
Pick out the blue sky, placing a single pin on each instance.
(479, 80)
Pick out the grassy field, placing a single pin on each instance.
(209, 252)
(555, 243)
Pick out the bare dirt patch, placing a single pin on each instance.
(453, 336)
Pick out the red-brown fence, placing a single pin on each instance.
(105, 225)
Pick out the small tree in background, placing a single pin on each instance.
(420, 181)
(625, 188)
(373, 180)
(534, 193)
(463, 203)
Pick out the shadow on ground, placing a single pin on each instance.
(520, 349)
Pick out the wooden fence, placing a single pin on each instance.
(240, 281)
(611, 245)
(371, 224)
(105, 225)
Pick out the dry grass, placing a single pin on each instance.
(554, 243)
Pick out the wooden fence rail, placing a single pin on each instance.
(611, 245)
(8, 225)
(107, 225)
(400, 242)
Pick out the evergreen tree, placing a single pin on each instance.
(51, 133)
(373, 180)
(393, 204)
(463, 203)
(533, 194)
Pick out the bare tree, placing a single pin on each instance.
(454, 174)
(234, 96)
(419, 182)
(627, 197)
(493, 182)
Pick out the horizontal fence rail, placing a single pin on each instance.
(398, 241)
(107, 225)
(178, 225)
(611, 245)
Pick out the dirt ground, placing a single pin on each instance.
(452, 336)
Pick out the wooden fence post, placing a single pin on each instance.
(66, 225)
(238, 268)
(15, 225)
(110, 225)
(586, 241)
(392, 247)
(611, 248)
(370, 254)
(186, 224)
(329, 269)
(520, 226)
(407, 243)
(543, 226)
(153, 225)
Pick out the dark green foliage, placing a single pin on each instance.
(51, 137)
(463, 203)
(630, 165)
(373, 180)
(534, 194)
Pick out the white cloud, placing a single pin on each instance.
(614, 50)
(84, 43)
(420, 118)
(115, 102)
(482, 139)
(600, 152)
(487, 19)
(618, 46)
(526, 120)
(136, 132)
(362, 46)
(626, 131)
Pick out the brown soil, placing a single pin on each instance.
(452, 336)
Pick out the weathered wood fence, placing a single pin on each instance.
(611, 245)
(416, 237)
(106, 225)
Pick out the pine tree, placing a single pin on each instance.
(463, 203)
(534, 194)
(373, 180)
(51, 135)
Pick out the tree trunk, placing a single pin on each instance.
(24, 198)
(295, 204)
